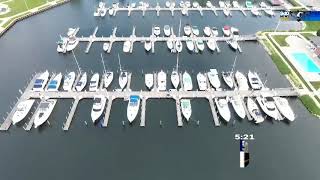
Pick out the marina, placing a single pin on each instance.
(177, 95)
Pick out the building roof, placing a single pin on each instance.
(315, 40)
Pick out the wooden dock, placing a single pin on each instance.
(71, 114)
(143, 112)
(214, 112)
(107, 113)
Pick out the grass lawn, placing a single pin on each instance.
(281, 39)
(316, 84)
(282, 67)
(307, 35)
(310, 104)
(312, 26)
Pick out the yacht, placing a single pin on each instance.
(54, 84)
(187, 4)
(214, 31)
(211, 43)
(123, 79)
(168, 4)
(222, 4)
(227, 77)
(156, 31)
(187, 30)
(133, 107)
(235, 4)
(94, 82)
(207, 31)
(23, 109)
(202, 81)
(268, 106)
(126, 46)
(41, 81)
(233, 44)
(223, 108)
(181, 4)
(106, 46)
(162, 81)
(43, 112)
(200, 44)
(238, 106)
(284, 108)
(209, 4)
(195, 4)
(187, 81)
(108, 78)
(62, 45)
(254, 111)
(82, 82)
(175, 80)
(167, 30)
(190, 45)
(226, 31)
(226, 11)
(147, 45)
(255, 11)
(178, 46)
(214, 78)
(148, 80)
(99, 103)
(254, 81)
(195, 31)
(170, 44)
(234, 32)
(241, 81)
(186, 108)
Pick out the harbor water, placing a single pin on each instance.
(198, 150)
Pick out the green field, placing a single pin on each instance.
(281, 39)
(310, 104)
(312, 26)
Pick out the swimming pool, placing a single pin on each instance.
(306, 62)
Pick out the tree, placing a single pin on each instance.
(318, 32)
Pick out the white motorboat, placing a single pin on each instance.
(133, 107)
(111, 11)
(184, 11)
(195, 4)
(234, 32)
(106, 46)
(238, 106)
(233, 44)
(167, 30)
(181, 4)
(222, 4)
(227, 77)
(156, 31)
(175, 80)
(254, 111)
(99, 103)
(108, 78)
(190, 45)
(178, 46)
(263, 5)
(209, 4)
(235, 4)
(187, 4)
(268, 106)
(94, 82)
(269, 11)
(162, 81)
(187, 81)
(284, 108)
(211, 43)
(214, 31)
(43, 112)
(195, 31)
(200, 45)
(223, 108)
(54, 84)
(186, 108)
(241, 81)
(227, 3)
(226, 11)
(123, 79)
(254, 81)
(168, 4)
(170, 44)
(202, 81)
(126, 46)
(148, 80)
(214, 78)
(82, 82)
(187, 30)
(207, 31)
(133, 5)
(255, 11)
(22, 110)
(41, 81)
(226, 31)
(147, 45)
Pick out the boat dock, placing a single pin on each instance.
(176, 95)
(91, 39)
(143, 112)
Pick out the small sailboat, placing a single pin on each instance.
(44, 111)
(187, 30)
(41, 81)
(235, 4)
(284, 108)
(22, 110)
(82, 82)
(200, 45)
(94, 82)
(214, 78)
(233, 44)
(170, 43)
(178, 46)
(209, 4)
(106, 46)
(223, 108)
(167, 30)
(255, 11)
(162, 81)
(254, 111)
(147, 45)
(195, 4)
(175, 80)
(187, 4)
(123, 77)
(195, 30)
(190, 45)
(214, 31)
(226, 31)
(68, 81)
(202, 81)
(54, 84)
(238, 106)
(133, 107)
(211, 43)
(168, 4)
(148, 79)
(207, 31)
(108, 78)
(255, 81)
(241, 81)
(99, 103)
(156, 31)
(126, 46)
(227, 77)
(187, 81)
(186, 108)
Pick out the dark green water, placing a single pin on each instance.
(279, 151)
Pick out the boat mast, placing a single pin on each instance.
(119, 62)
(104, 67)
(74, 57)
(179, 27)
(234, 63)
(177, 62)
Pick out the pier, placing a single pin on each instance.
(143, 112)
(91, 39)
(111, 95)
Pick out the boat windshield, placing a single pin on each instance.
(97, 100)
